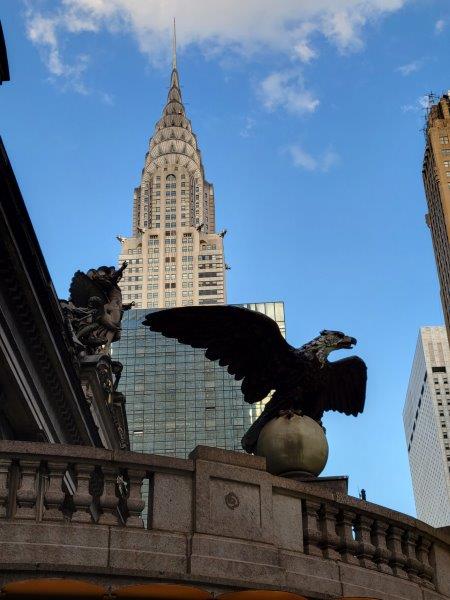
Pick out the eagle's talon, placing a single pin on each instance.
(289, 413)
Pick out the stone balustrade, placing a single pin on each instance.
(218, 519)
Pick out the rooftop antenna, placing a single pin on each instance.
(174, 47)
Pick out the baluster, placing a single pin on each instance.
(27, 492)
(330, 539)
(54, 495)
(82, 498)
(398, 559)
(135, 502)
(412, 564)
(426, 571)
(365, 549)
(347, 545)
(109, 500)
(382, 553)
(5, 464)
(311, 533)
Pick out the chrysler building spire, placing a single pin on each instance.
(174, 47)
(176, 257)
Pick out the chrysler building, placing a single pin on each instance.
(175, 255)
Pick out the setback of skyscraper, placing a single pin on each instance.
(177, 398)
(426, 418)
(176, 258)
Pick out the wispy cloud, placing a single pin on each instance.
(304, 160)
(439, 26)
(42, 31)
(411, 67)
(286, 90)
(304, 51)
(217, 28)
(417, 106)
(107, 98)
(248, 127)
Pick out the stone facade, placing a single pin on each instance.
(436, 178)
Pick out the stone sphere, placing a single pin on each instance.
(293, 444)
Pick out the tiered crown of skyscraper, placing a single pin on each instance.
(175, 256)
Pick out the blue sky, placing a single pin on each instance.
(309, 117)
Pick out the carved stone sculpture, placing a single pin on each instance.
(95, 308)
(93, 317)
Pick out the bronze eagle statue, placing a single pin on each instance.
(251, 345)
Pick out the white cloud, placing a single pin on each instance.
(304, 51)
(302, 159)
(107, 98)
(215, 26)
(418, 105)
(344, 27)
(42, 31)
(409, 68)
(329, 159)
(305, 160)
(249, 125)
(439, 26)
(285, 90)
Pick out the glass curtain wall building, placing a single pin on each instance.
(177, 398)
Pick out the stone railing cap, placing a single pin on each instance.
(229, 457)
(64, 452)
(158, 463)
(370, 509)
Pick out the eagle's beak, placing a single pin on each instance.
(348, 342)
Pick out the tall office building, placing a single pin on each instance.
(426, 418)
(176, 397)
(175, 256)
(436, 178)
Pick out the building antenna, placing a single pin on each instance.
(174, 47)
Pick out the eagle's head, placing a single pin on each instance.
(336, 340)
(327, 342)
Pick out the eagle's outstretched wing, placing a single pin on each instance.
(344, 386)
(248, 342)
(82, 288)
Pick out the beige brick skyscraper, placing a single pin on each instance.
(175, 257)
(436, 178)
